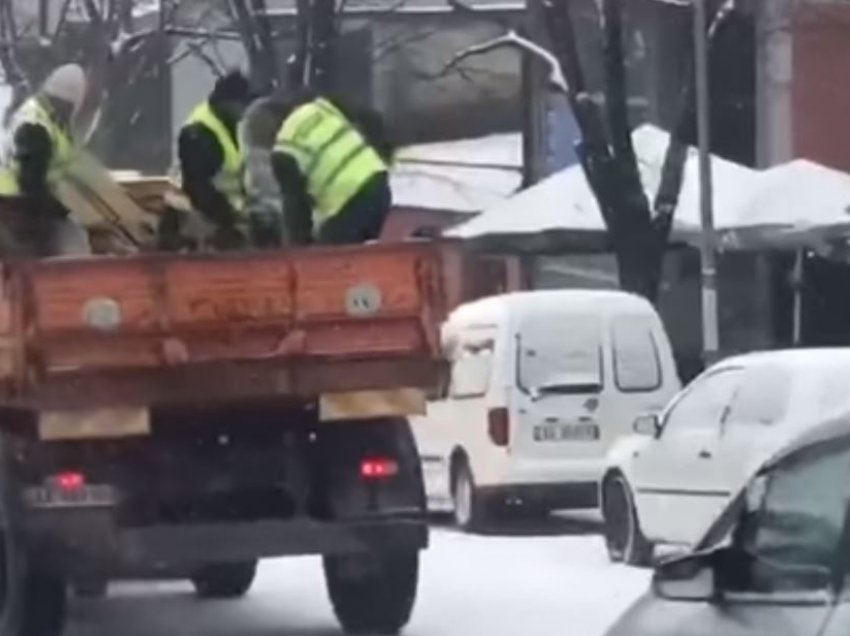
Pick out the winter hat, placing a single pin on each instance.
(233, 87)
(68, 83)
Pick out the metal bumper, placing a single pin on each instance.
(79, 540)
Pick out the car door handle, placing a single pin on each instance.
(704, 454)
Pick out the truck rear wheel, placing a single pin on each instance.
(225, 580)
(91, 587)
(33, 599)
(42, 606)
(372, 594)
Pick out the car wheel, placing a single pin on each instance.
(372, 594)
(225, 580)
(467, 506)
(623, 536)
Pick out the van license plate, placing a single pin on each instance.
(566, 433)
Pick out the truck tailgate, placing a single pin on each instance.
(158, 328)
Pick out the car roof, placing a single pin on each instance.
(830, 429)
(495, 308)
(790, 358)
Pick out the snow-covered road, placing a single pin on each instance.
(516, 582)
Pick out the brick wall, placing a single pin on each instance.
(820, 87)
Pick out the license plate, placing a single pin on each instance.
(85, 496)
(566, 433)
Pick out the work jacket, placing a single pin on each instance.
(332, 156)
(34, 112)
(229, 180)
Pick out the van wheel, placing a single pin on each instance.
(373, 593)
(469, 510)
(623, 537)
(224, 580)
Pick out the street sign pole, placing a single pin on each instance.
(710, 323)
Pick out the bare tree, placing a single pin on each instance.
(638, 229)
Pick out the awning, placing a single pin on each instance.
(799, 204)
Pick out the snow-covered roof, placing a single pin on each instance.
(405, 6)
(796, 203)
(464, 176)
(572, 300)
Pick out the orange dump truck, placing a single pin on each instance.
(190, 415)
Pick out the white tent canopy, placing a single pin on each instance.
(795, 203)
(465, 176)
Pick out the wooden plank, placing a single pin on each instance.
(95, 199)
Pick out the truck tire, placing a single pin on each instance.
(224, 580)
(43, 606)
(372, 594)
(92, 587)
(33, 599)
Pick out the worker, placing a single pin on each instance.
(331, 162)
(257, 132)
(211, 161)
(39, 146)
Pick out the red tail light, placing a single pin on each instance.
(68, 482)
(499, 426)
(376, 468)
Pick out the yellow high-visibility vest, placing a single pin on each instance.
(332, 155)
(229, 180)
(34, 112)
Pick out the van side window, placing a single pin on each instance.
(637, 365)
(471, 372)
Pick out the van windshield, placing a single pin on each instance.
(560, 354)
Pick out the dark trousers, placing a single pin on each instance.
(362, 218)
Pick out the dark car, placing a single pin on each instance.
(775, 562)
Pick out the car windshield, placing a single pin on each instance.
(793, 536)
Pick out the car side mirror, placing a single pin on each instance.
(648, 424)
(689, 578)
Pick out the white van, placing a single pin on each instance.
(542, 384)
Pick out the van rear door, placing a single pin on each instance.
(558, 405)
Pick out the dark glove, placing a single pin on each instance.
(228, 237)
(266, 230)
(47, 206)
(169, 232)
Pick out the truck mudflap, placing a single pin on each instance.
(89, 537)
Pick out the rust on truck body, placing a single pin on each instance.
(81, 333)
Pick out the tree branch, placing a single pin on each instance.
(511, 39)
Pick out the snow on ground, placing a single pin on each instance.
(470, 586)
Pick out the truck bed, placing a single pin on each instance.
(153, 329)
